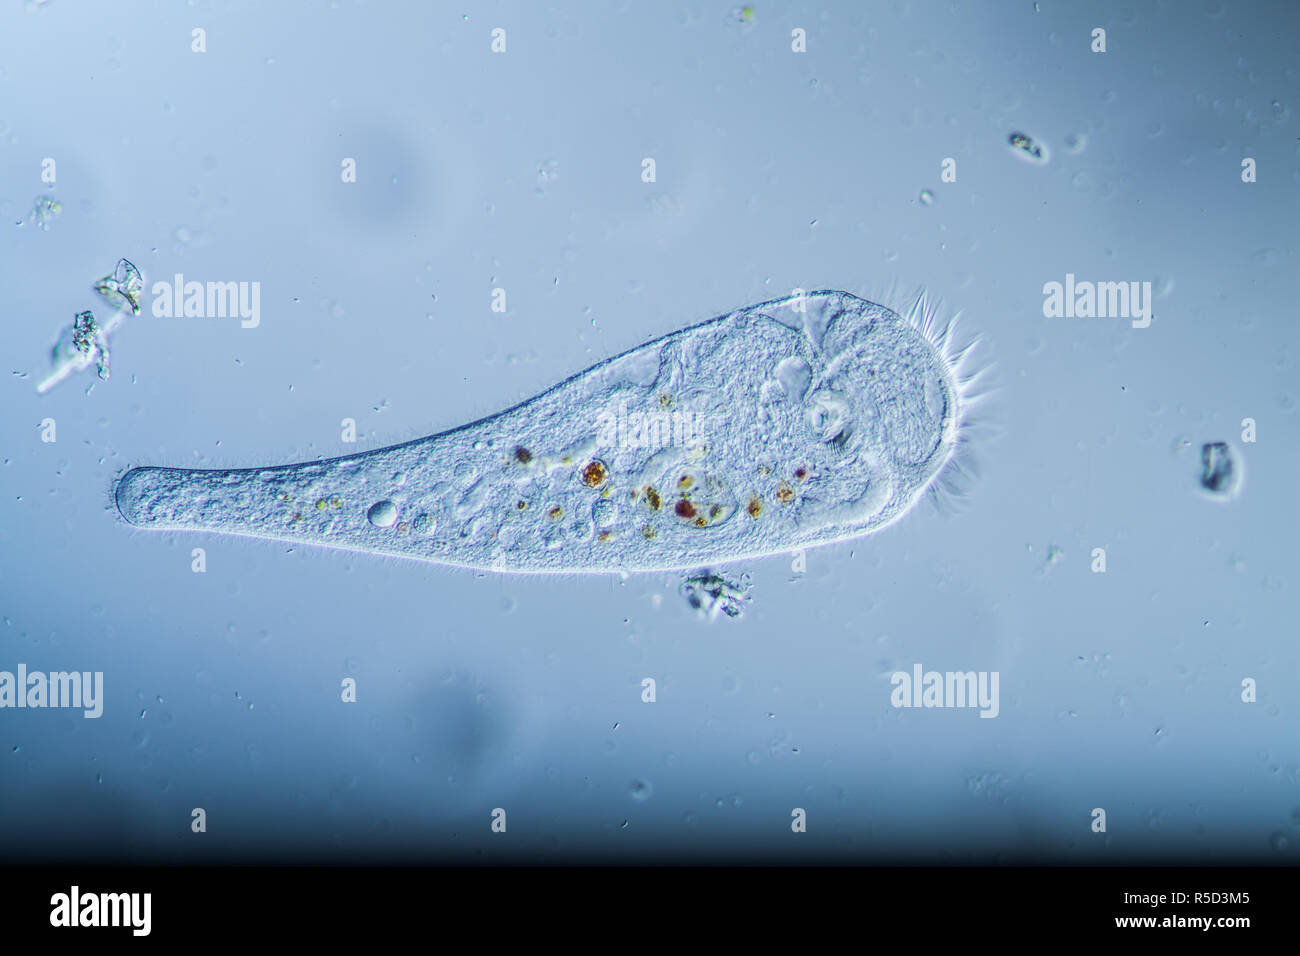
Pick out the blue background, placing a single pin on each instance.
(775, 171)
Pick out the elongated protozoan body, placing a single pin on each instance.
(784, 425)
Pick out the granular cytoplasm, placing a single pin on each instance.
(789, 424)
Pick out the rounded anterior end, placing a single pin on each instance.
(132, 496)
(382, 514)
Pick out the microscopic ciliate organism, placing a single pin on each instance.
(797, 422)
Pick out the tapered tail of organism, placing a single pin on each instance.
(784, 425)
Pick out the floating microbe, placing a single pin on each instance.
(1220, 470)
(44, 212)
(123, 288)
(80, 345)
(85, 342)
(792, 423)
(547, 173)
(1026, 147)
(744, 15)
(712, 595)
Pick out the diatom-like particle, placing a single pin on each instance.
(1027, 148)
(712, 595)
(744, 15)
(85, 342)
(44, 212)
(80, 345)
(123, 288)
(1220, 470)
(857, 407)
